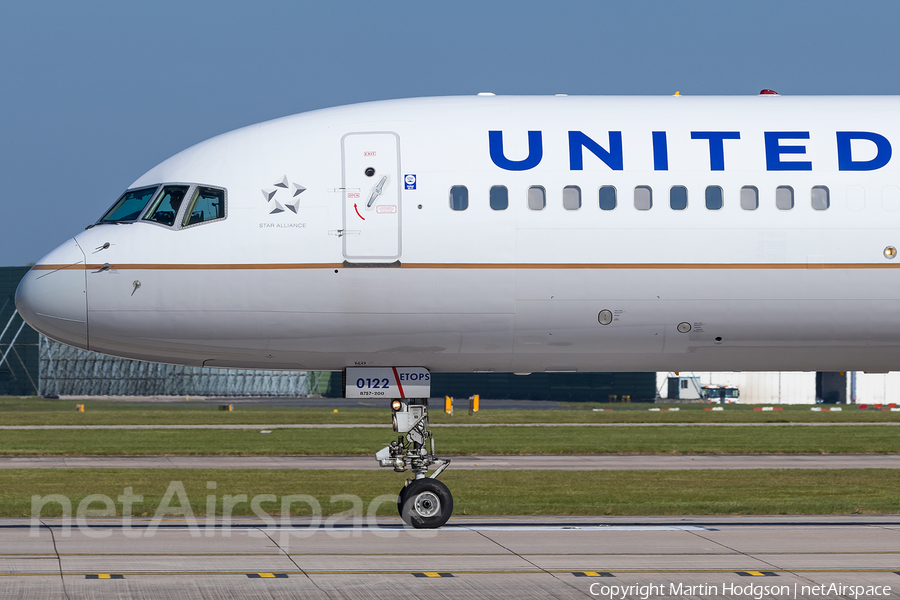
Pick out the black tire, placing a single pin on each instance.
(401, 498)
(427, 503)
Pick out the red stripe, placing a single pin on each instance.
(399, 385)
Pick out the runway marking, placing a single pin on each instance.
(267, 575)
(475, 528)
(582, 528)
(406, 554)
(768, 573)
(432, 574)
(592, 574)
(756, 574)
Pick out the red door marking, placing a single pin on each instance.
(357, 212)
(399, 385)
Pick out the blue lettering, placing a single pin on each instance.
(415, 376)
(535, 152)
(774, 150)
(660, 151)
(716, 145)
(612, 157)
(845, 152)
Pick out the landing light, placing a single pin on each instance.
(396, 405)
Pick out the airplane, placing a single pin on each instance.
(487, 233)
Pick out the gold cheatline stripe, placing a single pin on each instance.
(497, 266)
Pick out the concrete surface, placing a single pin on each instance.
(486, 557)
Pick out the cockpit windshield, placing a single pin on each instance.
(129, 206)
(167, 204)
(207, 204)
(163, 203)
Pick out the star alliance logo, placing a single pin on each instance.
(292, 205)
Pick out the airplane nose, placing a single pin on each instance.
(52, 296)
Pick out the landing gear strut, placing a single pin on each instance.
(425, 502)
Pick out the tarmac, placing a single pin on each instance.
(486, 557)
(600, 462)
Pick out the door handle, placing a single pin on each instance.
(376, 191)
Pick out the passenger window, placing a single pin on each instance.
(749, 197)
(714, 197)
(820, 198)
(784, 197)
(678, 197)
(607, 197)
(499, 197)
(643, 197)
(459, 197)
(571, 197)
(129, 206)
(537, 197)
(207, 204)
(166, 205)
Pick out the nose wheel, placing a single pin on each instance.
(425, 503)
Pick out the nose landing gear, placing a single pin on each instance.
(425, 502)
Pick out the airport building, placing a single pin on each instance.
(785, 387)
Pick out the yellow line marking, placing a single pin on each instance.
(103, 576)
(755, 573)
(266, 574)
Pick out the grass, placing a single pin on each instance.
(40, 411)
(856, 491)
(459, 441)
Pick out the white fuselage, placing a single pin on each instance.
(319, 265)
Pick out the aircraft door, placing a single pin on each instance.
(371, 190)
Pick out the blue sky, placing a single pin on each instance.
(94, 94)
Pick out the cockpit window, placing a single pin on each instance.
(207, 204)
(129, 206)
(166, 205)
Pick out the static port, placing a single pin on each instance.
(683, 327)
(718, 339)
(605, 317)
